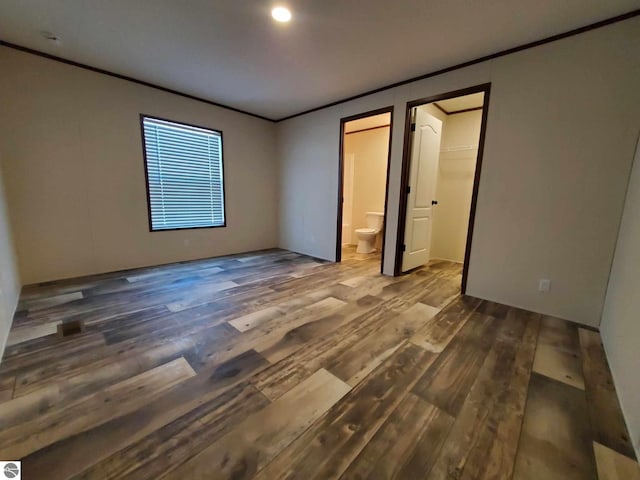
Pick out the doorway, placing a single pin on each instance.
(365, 147)
(442, 161)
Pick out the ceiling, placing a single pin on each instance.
(374, 121)
(461, 103)
(231, 52)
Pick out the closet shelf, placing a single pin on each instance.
(458, 148)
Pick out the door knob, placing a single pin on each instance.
(434, 202)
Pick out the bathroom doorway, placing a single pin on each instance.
(442, 159)
(365, 146)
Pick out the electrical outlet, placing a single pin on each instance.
(544, 285)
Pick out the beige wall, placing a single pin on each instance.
(620, 325)
(9, 278)
(563, 120)
(454, 188)
(431, 109)
(370, 149)
(75, 176)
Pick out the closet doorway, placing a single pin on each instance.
(442, 161)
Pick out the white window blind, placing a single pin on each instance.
(184, 175)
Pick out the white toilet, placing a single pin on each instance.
(367, 236)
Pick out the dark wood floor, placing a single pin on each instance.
(274, 365)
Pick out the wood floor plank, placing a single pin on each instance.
(445, 291)
(261, 339)
(32, 402)
(77, 453)
(436, 334)
(437, 384)
(261, 316)
(194, 298)
(246, 449)
(307, 270)
(147, 327)
(102, 307)
(406, 445)
(613, 466)
(482, 443)
(108, 305)
(7, 382)
(606, 419)
(287, 373)
(321, 278)
(411, 289)
(176, 442)
(558, 353)
(45, 290)
(494, 309)
(254, 319)
(24, 334)
(48, 301)
(21, 440)
(117, 281)
(206, 284)
(140, 352)
(448, 381)
(365, 285)
(355, 281)
(327, 448)
(47, 352)
(256, 296)
(101, 359)
(156, 274)
(297, 337)
(555, 442)
(355, 363)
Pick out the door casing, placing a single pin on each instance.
(343, 121)
(404, 179)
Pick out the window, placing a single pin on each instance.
(185, 186)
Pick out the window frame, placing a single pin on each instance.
(146, 173)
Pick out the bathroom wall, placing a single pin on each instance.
(347, 200)
(370, 151)
(455, 185)
(620, 327)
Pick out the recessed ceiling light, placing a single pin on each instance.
(281, 14)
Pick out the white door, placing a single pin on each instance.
(423, 170)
